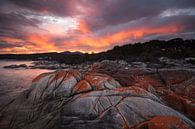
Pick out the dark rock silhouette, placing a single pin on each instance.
(138, 52)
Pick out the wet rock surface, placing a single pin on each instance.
(105, 95)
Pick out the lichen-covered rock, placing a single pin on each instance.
(186, 88)
(163, 122)
(181, 103)
(69, 99)
(67, 83)
(161, 82)
(117, 108)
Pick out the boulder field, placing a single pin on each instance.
(106, 96)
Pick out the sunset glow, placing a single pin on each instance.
(89, 26)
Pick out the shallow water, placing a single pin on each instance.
(13, 81)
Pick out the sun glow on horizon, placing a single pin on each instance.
(89, 26)
(44, 43)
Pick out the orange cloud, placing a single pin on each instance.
(42, 42)
(139, 33)
(10, 40)
(83, 27)
(104, 42)
(36, 44)
(87, 42)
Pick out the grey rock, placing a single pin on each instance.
(69, 99)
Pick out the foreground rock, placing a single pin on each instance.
(175, 87)
(163, 122)
(69, 99)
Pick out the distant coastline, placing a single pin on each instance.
(147, 52)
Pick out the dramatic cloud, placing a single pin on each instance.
(7, 45)
(30, 26)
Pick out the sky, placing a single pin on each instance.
(38, 26)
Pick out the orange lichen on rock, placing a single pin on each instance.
(59, 75)
(147, 80)
(163, 122)
(181, 103)
(175, 77)
(65, 75)
(96, 79)
(82, 86)
(187, 88)
(190, 108)
(135, 89)
(175, 101)
(38, 78)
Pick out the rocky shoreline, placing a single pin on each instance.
(163, 62)
(105, 95)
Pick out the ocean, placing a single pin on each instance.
(14, 81)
